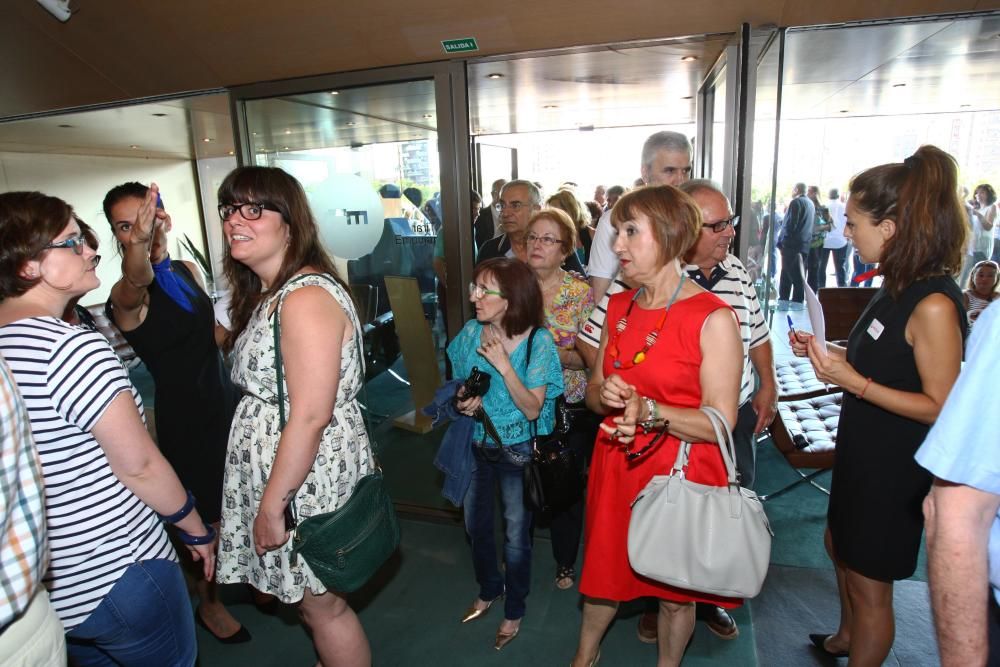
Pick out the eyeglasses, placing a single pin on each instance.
(514, 206)
(547, 240)
(249, 211)
(720, 226)
(77, 243)
(478, 291)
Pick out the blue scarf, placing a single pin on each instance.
(173, 286)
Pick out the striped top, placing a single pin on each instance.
(731, 283)
(23, 553)
(68, 377)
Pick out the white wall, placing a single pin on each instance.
(82, 181)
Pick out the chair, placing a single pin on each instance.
(805, 430)
(842, 306)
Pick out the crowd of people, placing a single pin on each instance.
(97, 512)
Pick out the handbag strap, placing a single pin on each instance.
(723, 436)
(279, 363)
(533, 424)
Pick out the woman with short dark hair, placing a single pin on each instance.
(901, 360)
(113, 577)
(508, 306)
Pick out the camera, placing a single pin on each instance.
(477, 384)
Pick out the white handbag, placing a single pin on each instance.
(708, 539)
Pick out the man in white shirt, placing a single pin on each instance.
(835, 243)
(666, 160)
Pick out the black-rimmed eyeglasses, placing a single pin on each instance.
(720, 226)
(249, 211)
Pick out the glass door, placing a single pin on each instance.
(378, 155)
(761, 217)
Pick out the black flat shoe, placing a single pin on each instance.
(819, 641)
(241, 636)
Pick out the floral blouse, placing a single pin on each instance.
(569, 311)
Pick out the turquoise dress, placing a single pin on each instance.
(498, 403)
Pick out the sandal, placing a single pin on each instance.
(565, 577)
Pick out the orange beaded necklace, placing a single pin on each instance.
(651, 337)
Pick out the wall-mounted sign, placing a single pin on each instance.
(463, 45)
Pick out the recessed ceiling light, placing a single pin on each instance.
(844, 110)
(288, 131)
(899, 85)
(159, 115)
(688, 59)
(208, 140)
(688, 97)
(351, 123)
(494, 75)
(285, 148)
(428, 115)
(335, 92)
(134, 146)
(550, 107)
(255, 134)
(65, 125)
(232, 153)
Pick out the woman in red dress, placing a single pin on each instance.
(667, 348)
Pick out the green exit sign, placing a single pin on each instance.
(463, 45)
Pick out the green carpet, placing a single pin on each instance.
(411, 616)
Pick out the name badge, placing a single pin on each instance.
(875, 329)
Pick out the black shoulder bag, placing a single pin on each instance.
(553, 480)
(344, 548)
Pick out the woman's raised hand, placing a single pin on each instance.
(830, 368)
(149, 219)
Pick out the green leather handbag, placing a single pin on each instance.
(344, 548)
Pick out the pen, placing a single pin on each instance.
(791, 327)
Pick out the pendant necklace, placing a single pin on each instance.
(651, 337)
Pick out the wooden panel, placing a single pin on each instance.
(112, 50)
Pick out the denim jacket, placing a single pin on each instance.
(454, 456)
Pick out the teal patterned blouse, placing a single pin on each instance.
(545, 369)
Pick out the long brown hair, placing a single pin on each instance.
(278, 189)
(920, 195)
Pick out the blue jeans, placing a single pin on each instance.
(145, 620)
(503, 465)
(859, 268)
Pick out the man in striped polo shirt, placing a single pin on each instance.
(711, 265)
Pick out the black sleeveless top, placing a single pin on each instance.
(875, 513)
(195, 398)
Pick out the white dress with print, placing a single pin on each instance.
(344, 453)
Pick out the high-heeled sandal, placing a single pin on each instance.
(565, 578)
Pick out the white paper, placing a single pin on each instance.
(815, 310)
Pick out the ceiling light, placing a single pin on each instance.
(335, 92)
(844, 110)
(255, 134)
(494, 75)
(134, 146)
(688, 59)
(285, 148)
(550, 107)
(232, 153)
(208, 140)
(65, 125)
(159, 115)
(288, 131)
(899, 85)
(428, 115)
(351, 123)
